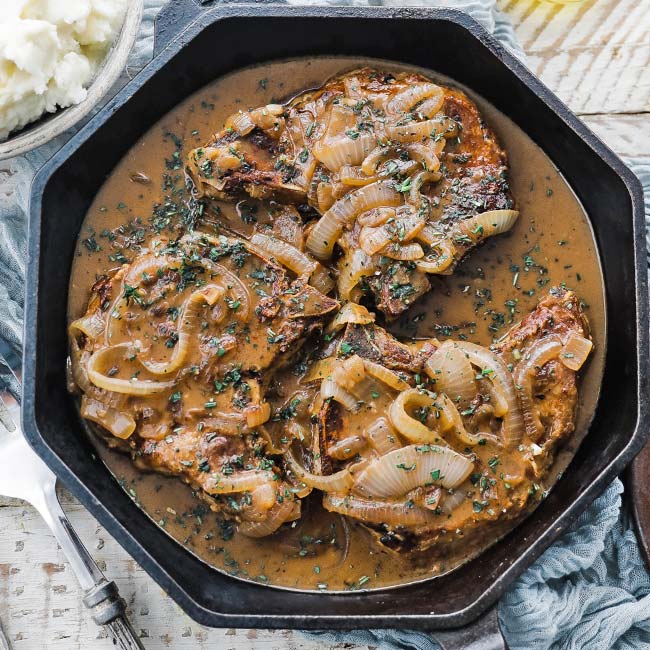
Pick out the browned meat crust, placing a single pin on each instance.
(376, 344)
(555, 387)
(272, 152)
(475, 166)
(555, 400)
(199, 425)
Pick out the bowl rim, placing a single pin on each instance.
(108, 73)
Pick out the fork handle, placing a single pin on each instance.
(101, 596)
(108, 609)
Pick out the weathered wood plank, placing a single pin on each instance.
(595, 54)
(627, 135)
(40, 604)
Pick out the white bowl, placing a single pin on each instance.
(53, 124)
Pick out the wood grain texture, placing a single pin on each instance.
(595, 54)
(40, 603)
(627, 135)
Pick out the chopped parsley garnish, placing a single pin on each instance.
(132, 294)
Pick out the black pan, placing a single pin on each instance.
(228, 37)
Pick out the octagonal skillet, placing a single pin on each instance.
(215, 41)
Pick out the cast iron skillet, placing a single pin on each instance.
(228, 37)
(639, 489)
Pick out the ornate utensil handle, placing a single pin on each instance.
(101, 595)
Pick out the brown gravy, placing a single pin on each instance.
(496, 286)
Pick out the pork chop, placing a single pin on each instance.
(506, 479)
(397, 167)
(173, 359)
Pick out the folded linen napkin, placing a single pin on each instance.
(590, 591)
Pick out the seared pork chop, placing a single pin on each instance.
(399, 169)
(502, 423)
(174, 357)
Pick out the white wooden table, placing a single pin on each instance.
(595, 54)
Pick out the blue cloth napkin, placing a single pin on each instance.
(590, 591)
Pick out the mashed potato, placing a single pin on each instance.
(49, 52)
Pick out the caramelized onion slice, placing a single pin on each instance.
(240, 122)
(280, 513)
(382, 436)
(385, 375)
(425, 155)
(266, 118)
(288, 255)
(375, 217)
(78, 363)
(353, 266)
(452, 372)
(146, 266)
(324, 195)
(353, 175)
(346, 448)
(451, 499)
(121, 425)
(409, 251)
(373, 239)
(329, 389)
(226, 278)
(418, 181)
(505, 400)
(349, 372)
(439, 263)
(429, 235)
(405, 100)
(339, 482)
(321, 279)
(91, 325)
(324, 234)
(408, 426)
(399, 513)
(234, 285)
(415, 131)
(189, 318)
(231, 283)
(350, 313)
(575, 351)
(400, 471)
(540, 353)
(451, 420)
(245, 480)
(428, 497)
(430, 106)
(97, 373)
(344, 150)
(257, 414)
(226, 424)
(374, 159)
(488, 224)
(327, 230)
(262, 500)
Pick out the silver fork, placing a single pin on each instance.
(23, 475)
